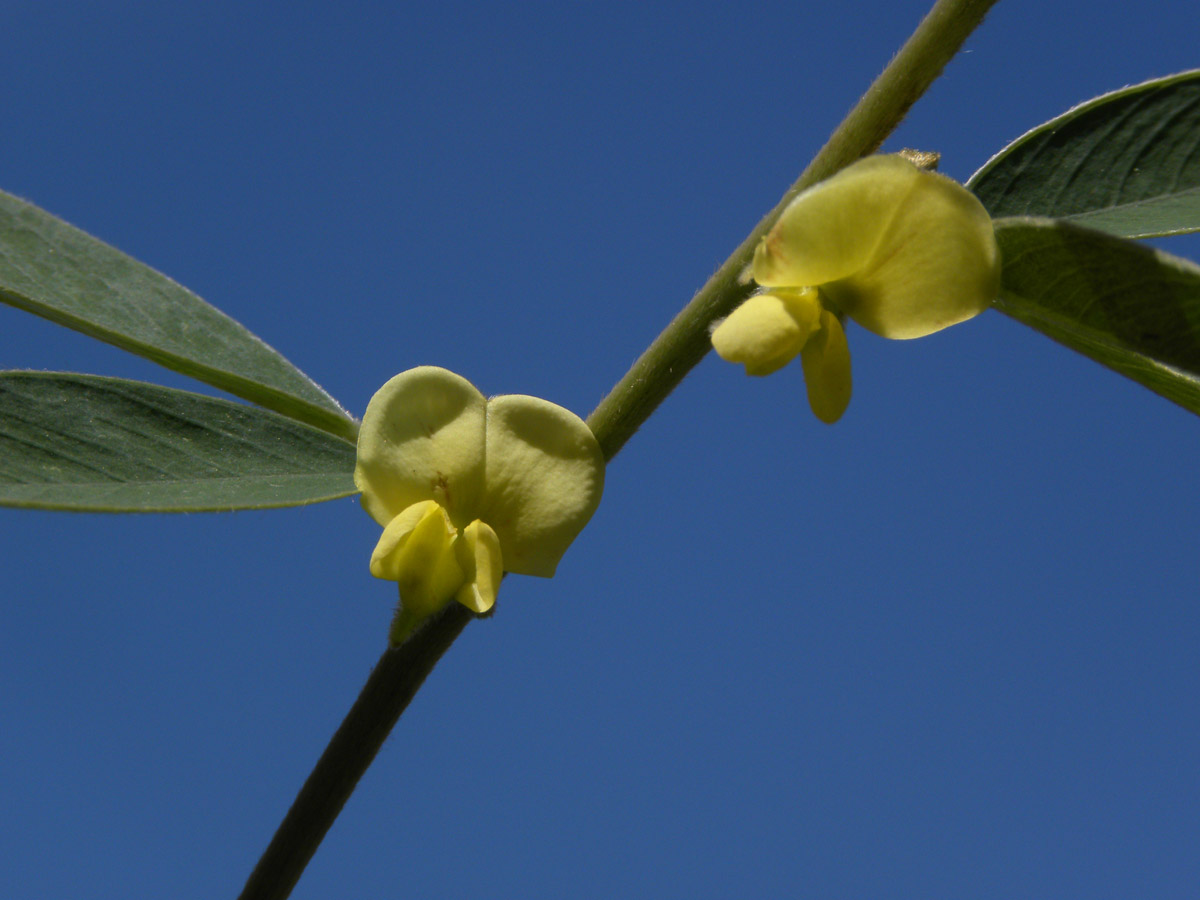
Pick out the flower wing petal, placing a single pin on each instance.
(545, 474)
(768, 330)
(388, 560)
(423, 438)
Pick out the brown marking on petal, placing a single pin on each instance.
(441, 489)
(771, 241)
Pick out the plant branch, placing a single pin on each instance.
(389, 688)
(400, 672)
(685, 341)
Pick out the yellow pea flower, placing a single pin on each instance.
(902, 251)
(468, 488)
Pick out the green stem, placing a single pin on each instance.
(390, 686)
(673, 354)
(685, 341)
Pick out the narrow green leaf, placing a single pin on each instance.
(82, 442)
(53, 269)
(1127, 163)
(1131, 307)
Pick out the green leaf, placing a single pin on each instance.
(82, 442)
(1131, 307)
(53, 269)
(1127, 163)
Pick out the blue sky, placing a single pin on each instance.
(943, 649)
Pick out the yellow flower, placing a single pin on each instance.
(469, 488)
(902, 251)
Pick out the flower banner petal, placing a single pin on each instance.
(937, 265)
(831, 230)
(545, 475)
(422, 437)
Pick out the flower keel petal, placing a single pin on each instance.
(480, 557)
(826, 363)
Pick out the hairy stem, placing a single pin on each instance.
(684, 342)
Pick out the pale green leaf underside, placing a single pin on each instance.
(1131, 307)
(1127, 163)
(83, 442)
(53, 269)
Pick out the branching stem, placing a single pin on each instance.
(400, 672)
